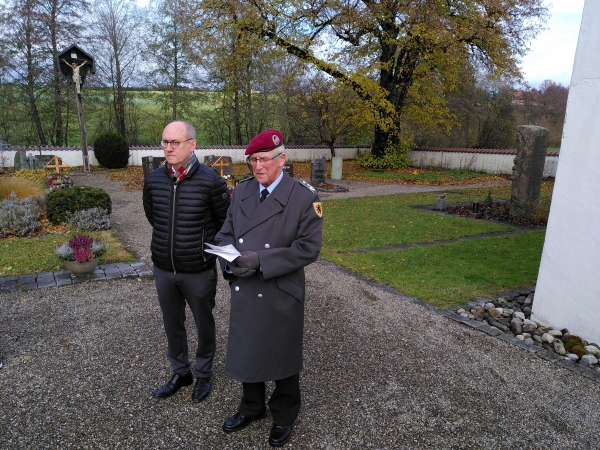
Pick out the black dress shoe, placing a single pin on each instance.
(201, 389)
(280, 435)
(176, 382)
(239, 422)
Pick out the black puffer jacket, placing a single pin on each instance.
(184, 216)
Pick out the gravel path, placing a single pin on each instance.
(382, 371)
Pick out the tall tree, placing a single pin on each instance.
(26, 64)
(390, 50)
(171, 71)
(61, 21)
(117, 40)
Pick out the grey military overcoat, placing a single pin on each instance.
(267, 309)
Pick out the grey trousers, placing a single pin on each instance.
(198, 290)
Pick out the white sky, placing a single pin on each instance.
(552, 53)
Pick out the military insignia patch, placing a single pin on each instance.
(307, 186)
(318, 208)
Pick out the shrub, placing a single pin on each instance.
(393, 158)
(111, 150)
(91, 219)
(19, 217)
(21, 187)
(38, 175)
(61, 203)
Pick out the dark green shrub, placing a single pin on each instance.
(61, 203)
(111, 150)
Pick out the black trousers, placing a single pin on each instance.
(198, 290)
(284, 402)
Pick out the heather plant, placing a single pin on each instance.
(94, 219)
(19, 217)
(81, 248)
(58, 181)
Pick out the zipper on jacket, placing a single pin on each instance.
(202, 249)
(173, 227)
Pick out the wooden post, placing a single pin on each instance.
(86, 158)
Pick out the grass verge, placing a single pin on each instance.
(443, 275)
(20, 256)
(447, 275)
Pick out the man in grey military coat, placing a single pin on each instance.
(276, 223)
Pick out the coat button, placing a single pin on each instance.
(267, 246)
(237, 288)
(241, 241)
(259, 295)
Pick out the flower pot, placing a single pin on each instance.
(82, 269)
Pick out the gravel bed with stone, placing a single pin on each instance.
(382, 371)
(511, 314)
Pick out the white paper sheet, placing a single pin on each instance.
(228, 252)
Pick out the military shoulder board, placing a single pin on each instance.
(307, 186)
(248, 178)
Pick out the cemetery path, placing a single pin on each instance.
(366, 189)
(382, 370)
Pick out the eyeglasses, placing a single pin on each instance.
(254, 161)
(174, 144)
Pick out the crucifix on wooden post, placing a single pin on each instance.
(75, 64)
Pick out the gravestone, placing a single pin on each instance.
(31, 161)
(318, 167)
(20, 161)
(42, 160)
(150, 163)
(528, 171)
(441, 203)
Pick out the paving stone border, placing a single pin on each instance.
(137, 269)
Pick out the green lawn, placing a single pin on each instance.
(442, 274)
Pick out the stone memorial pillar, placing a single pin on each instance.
(532, 143)
(318, 167)
(336, 168)
(567, 291)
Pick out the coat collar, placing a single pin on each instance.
(256, 212)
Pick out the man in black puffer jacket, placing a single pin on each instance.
(186, 204)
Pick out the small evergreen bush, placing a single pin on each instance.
(19, 217)
(91, 219)
(62, 203)
(111, 150)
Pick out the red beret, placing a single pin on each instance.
(264, 142)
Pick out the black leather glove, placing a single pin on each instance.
(241, 272)
(247, 260)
